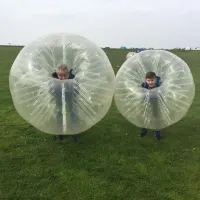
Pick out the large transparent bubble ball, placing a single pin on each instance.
(130, 54)
(161, 106)
(62, 106)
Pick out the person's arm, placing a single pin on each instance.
(54, 75)
(71, 75)
(51, 82)
(142, 85)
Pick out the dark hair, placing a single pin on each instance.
(150, 75)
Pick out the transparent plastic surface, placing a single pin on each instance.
(62, 106)
(159, 107)
(130, 54)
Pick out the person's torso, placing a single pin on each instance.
(68, 91)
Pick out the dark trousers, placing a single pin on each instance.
(155, 110)
(70, 108)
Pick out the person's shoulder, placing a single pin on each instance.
(158, 77)
(144, 85)
(158, 80)
(71, 74)
(54, 75)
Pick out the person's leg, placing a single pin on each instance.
(76, 137)
(157, 134)
(143, 132)
(59, 124)
(73, 124)
(59, 116)
(59, 137)
(156, 114)
(73, 117)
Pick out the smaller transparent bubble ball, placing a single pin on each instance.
(159, 107)
(130, 54)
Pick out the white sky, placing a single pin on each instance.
(114, 23)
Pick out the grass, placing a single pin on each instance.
(110, 162)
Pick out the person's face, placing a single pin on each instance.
(62, 74)
(151, 81)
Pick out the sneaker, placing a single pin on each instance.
(157, 134)
(59, 137)
(144, 132)
(76, 138)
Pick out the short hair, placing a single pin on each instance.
(150, 75)
(62, 67)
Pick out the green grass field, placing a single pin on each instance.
(110, 161)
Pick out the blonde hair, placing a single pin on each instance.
(62, 67)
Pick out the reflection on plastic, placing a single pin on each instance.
(62, 106)
(159, 107)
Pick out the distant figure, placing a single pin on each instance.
(138, 50)
(152, 81)
(62, 74)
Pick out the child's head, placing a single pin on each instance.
(151, 79)
(62, 72)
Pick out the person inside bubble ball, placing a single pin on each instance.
(152, 81)
(62, 74)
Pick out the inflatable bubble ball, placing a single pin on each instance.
(130, 54)
(69, 105)
(155, 107)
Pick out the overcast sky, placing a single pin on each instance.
(114, 23)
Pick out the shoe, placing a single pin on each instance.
(59, 137)
(76, 138)
(144, 132)
(157, 134)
